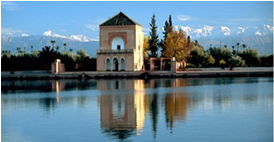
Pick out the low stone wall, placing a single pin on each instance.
(235, 69)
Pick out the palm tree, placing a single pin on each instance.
(71, 50)
(31, 48)
(53, 43)
(25, 50)
(244, 46)
(65, 45)
(57, 48)
(238, 45)
(18, 50)
(233, 50)
(47, 55)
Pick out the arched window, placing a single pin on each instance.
(115, 64)
(117, 43)
(107, 64)
(122, 68)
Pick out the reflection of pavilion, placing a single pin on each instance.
(122, 114)
(57, 86)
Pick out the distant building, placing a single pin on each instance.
(121, 45)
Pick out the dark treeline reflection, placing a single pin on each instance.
(123, 114)
(27, 86)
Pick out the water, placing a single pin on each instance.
(160, 110)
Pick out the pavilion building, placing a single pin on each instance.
(121, 45)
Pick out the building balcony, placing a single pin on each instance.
(114, 51)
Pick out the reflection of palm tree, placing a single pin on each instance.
(48, 55)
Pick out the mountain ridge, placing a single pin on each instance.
(260, 37)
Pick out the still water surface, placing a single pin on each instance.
(161, 110)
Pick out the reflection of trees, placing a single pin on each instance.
(25, 86)
(175, 107)
(249, 99)
(223, 100)
(154, 113)
(48, 103)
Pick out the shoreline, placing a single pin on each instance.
(246, 72)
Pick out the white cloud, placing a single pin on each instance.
(184, 18)
(146, 29)
(93, 27)
(9, 6)
(9, 31)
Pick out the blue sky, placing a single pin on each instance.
(74, 18)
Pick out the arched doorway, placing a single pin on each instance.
(117, 43)
(107, 64)
(122, 68)
(115, 64)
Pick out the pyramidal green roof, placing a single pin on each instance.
(119, 19)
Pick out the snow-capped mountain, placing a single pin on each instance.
(260, 37)
(225, 30)
(208, 31)
(74, 42)
(81, 38)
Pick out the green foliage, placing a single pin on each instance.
(82, 59)
(208, 60)
(196, 55)
(6, 53)
(168, 28)
(48, 55)
(177, 46)
(236, 61)
(35, 53)
(190, 65)
(153, 41)
(220, 54)
(266, 61)
(41, 60)
(222, 62)
(82, 54)
(146, 48)
(250, 56)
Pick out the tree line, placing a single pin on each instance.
(41, 60)
(177, 44)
